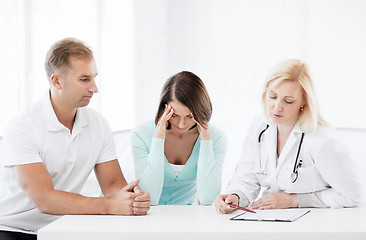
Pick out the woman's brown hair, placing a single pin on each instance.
(188, 89)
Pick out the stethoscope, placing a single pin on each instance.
(298, 163)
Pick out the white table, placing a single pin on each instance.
(200, 222)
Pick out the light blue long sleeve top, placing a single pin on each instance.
(198, 182)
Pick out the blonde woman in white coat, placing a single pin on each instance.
(290, 152)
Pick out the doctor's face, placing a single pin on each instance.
(284, 100)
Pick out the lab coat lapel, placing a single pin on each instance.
(271, 140)
(289, 145)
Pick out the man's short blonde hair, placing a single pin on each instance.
(58, 56)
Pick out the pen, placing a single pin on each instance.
(241, 208)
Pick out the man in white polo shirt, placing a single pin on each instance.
(49, 151)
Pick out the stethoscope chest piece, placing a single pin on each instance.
(297, 164)
(294, 176)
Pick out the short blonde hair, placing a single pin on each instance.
(58, 56)
(296, 70)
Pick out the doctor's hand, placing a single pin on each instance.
(160, 129)
(203, 130)
(222, 201)
(276, 200)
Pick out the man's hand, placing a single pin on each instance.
(130, 200)
(142, 203)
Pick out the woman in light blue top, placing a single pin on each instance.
(179, 156)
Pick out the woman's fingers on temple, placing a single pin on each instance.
(162, 116)
(170, 114)
(168, 108)
(167, 114)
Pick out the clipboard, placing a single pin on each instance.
(272, 215)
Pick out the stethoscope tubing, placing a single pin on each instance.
(296, 166)
(294, 173)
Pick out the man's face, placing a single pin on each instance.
(78, 84)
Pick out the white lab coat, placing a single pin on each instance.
(327, 168)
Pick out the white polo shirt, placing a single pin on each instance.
(38, 136)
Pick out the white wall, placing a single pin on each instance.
(232, 44)
(29, 28)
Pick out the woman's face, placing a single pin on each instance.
(182, 118)
(284, 100)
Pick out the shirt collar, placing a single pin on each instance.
(52, 123)
(80, 122)
(296, 128)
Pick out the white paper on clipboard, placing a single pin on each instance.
(275, 215)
